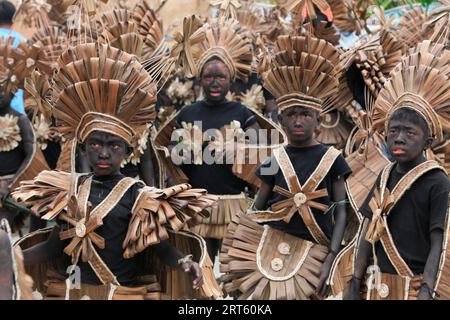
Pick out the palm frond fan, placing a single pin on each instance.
(155, 51)
(52, 40)
(320, 31)
(121, 32)
(33, 14)
(302, 10)
(226, 8)
(410, 29)
(350, 15)
(252, 22)
(437, 26)
(374, 59)
(185, 47)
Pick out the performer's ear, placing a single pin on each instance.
(428, 143)
(128, 150)
(280, 119)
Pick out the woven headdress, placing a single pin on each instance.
(223, 39)
(100, 88)
(304, 72)
(419, 82)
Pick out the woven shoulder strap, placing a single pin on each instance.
(399, 190)
(310, 186)
(100, 212)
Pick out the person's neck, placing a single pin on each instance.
(5, 111)
(5, 26)
(215, 103)
(304, 144)
(107, 176)
(404, 167)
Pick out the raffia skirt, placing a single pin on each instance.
(263, 263)
(155, 281)
(221, 214)
(392, 287)
(57, 290)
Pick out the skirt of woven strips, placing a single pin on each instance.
(392, 287)
(155, 280)
(263, 263)
(57, 290)
(221, 214)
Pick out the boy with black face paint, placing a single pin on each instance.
(406, 214)
(302, 195)
(216, 72)
(110, 219)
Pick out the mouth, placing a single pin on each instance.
(215, 93)
(398, 151)
(298, 132)
(103, 165)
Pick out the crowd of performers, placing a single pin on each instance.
(248, 139)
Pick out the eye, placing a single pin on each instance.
(94, 145)
(411, 133)
(116, 146)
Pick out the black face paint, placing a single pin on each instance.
(215, 80)
(299, 124)
(105, 152)
(406, 141)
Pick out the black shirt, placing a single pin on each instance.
(113, 231)
(12, 160)
(305, 161)
(422, 209)
(216, 178)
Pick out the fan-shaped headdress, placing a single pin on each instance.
(304, 72)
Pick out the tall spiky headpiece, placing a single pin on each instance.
(304, 72)
(419, 82)
(100, 88)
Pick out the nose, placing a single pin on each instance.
(104, 154)
(298, 121)
(400, 138)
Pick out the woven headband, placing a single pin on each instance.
(221, 54)
(94, 121)
(298, 99)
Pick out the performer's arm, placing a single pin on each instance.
(362, 257)
(28, 142)
(146, 166)
(265, 191)
(432, 265)
(167, 253)
(6, 267)
(44, 251)
(170, 255)
(340, 214)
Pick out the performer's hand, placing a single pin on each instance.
(196, 272)
(424, 293)
(354, 290)
(323, 288)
